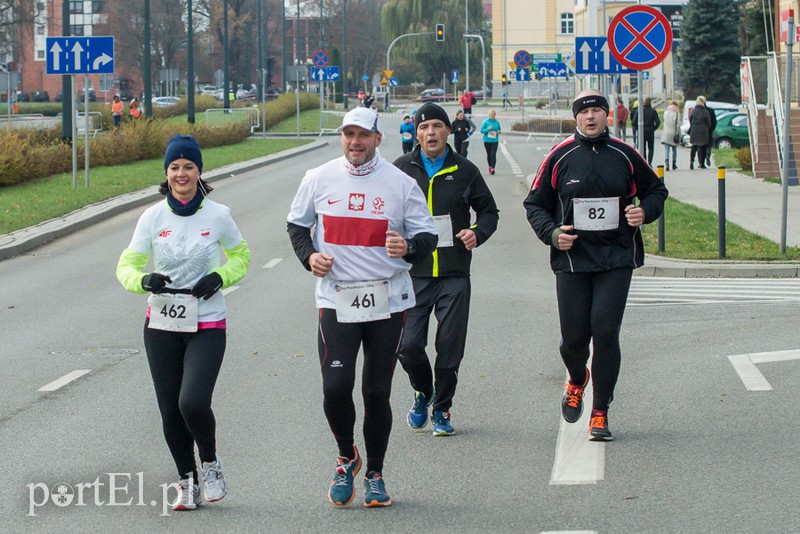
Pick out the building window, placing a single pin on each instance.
(40, 29)
(567, 24)
(76, 30)
(40, 54)
(76, 7)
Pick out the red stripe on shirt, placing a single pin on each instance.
(355, 231)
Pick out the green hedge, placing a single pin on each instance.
(29, 154)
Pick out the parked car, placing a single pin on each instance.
(22, 96)
(40, 96)
(479, 92)
(732, 131)
(208, 90)
(432, 95)
(166, 101)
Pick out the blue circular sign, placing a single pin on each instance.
(639, 37)
(320, 58)
(522, 58)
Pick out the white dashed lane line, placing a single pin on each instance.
(64, 380)
(272, 263)
(515, 168)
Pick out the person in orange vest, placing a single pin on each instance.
(116, 110)
(135, 109)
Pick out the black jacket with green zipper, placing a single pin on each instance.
(455, 189)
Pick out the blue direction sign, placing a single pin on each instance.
(320, 58)
(394, 82)
(592, 56)
(364, 77)
(547, 70)
(80, 55)
(454, 76)
(325, 74)
(332, 73)
(522, 75)
(640, 37)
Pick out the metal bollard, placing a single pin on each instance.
(721, 209)
(661, 247)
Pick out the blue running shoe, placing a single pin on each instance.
(342, 491)
(418, 414)
(441, 424)
(375, 493)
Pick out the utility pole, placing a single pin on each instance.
(225, 57)
(190, 69)
(66, 84)
(148, 65)
(344, 52)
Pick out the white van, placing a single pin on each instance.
(720, 108)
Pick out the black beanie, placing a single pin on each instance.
(183, 147)
(430, 111)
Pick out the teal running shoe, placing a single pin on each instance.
(418, 414)
(441, 424)
(375, 493)
(342, 490)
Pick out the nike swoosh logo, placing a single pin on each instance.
(333, 201)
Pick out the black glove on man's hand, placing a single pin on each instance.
(155, 282)
(207, 286)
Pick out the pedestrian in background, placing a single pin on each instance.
(620, 120)
(713, 116)
(116, 110)
(651, 124)
(463, 128)
(699, 132)
(135, 109)
(454, 189)
(407, 134)
(491, 138)
(592, 257)
(505, 98)
(467, 99)
(185, 234)
(671, 134)
(634, 115)
(358, 223)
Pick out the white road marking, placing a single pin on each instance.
(64, 380)
(569, 532)
(745, 366)
(515, 168)
(654, 291)
(578, 460)
(272, 263)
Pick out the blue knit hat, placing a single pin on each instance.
(183, 147)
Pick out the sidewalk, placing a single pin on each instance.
(27, 239)
(753, 204)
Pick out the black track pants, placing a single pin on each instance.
(338, 345)
(491, 153)
(448, 299)
(185, 367)
(590, 308)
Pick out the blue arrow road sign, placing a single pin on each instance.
(522, 75)
(325, 74)
(394, 82)
(364, 77)
(547, 70)
(332, 73)
(80, 55)
(592, 56)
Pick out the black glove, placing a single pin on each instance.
(155, 282)
(207, 286)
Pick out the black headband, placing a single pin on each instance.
(590, 101)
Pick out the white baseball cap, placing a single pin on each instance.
(362, 117)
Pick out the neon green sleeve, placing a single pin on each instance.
(236, 266)
(129, 270)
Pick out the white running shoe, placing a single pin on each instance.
(188, 495)
(214, 485)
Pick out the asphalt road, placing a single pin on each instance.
(696, 451)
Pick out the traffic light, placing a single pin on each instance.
(503, 79)
(439, 33)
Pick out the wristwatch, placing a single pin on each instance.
(411, 247)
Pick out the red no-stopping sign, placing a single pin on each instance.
(639, 37)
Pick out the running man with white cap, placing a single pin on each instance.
(358, 223)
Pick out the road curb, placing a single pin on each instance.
(27, 239)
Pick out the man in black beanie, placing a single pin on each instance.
(442, 282)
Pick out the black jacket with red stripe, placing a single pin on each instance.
(455, 189)
(600, 167)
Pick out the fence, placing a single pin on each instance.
(251, 116)
(28, 120)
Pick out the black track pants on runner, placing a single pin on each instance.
(491, 153)
(448, 298)
(590, 308)
(185, 367)
(338, 345)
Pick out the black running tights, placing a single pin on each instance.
(338, 345)
(590, 308)
(491, 153)
(184, 367)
